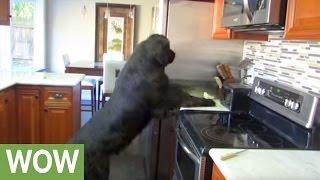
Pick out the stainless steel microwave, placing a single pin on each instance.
(254, 15)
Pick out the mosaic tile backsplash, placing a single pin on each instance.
(295, 63)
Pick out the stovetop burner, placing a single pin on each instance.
(219, 134)
(244, 132)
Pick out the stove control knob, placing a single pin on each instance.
(296, 106)
(256, 89)
(291, 103)
(259, 90)
(263, 91)
(286, 103)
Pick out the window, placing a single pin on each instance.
(22, 33)
(114, 34)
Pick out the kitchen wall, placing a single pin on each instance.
(5, 45)
(68, 31)
(295, 63)
(197, 54)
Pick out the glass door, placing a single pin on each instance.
(233, 13)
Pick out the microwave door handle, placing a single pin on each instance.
(187, 150)
(247, 9)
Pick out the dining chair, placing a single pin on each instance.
(111, 69)
(100, 83)
(87, 84)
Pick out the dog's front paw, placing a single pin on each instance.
(196, 102)
(207, 102)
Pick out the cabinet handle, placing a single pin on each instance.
(36, 97)
(57, 95)
(6, 101)
(45, 110)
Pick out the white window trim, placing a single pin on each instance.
(39, 35)
(39, 41)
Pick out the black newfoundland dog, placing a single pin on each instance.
(142, 89)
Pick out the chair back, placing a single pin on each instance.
(110, 70)
(66, 60)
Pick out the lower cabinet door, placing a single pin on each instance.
(56, 124)
(8, 124)
(3, 120)
(28, 116)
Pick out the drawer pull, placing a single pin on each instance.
(57, 95)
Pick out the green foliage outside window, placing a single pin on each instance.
(115, 45)
(23, 13)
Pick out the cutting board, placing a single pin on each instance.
(217, 108)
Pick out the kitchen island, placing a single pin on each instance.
(266, 164)
(39, 107)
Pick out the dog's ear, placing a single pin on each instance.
(161, 49)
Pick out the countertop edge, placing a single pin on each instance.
(50, 81)
(305, 163)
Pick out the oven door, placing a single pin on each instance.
(187, 162)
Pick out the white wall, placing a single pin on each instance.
(39, 35)
(190, 34)
(70, 32)
(5, 53)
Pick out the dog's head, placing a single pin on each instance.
(159, 47)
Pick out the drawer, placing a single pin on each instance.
(57, 94)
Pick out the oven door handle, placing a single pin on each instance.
(187, 150)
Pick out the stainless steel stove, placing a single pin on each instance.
(278, 117)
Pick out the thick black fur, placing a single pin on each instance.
(142, 89)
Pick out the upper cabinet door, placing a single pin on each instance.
(4, 12)
(219, 32)
(303, 19)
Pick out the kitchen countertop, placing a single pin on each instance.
(197, 88)
(268, 164)
(8, 79)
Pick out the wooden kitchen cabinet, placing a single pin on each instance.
(28, 108)
(4, 12)
(3, 119)
(303, 19)
(57, 124)
(47, 115)
(220, 32)
(159, 139)
(216, 173)
(8, 128)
